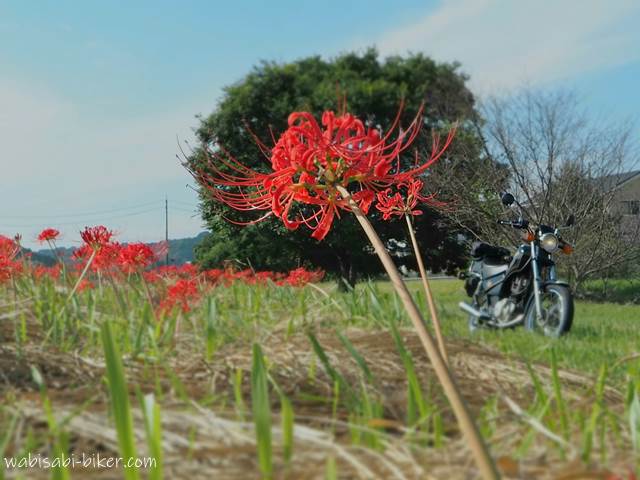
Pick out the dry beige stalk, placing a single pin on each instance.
(427, 291)
(476, 444)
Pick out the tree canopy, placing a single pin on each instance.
(374, 88)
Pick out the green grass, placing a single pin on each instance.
(616, 290)
(602, 333)
(118, 327)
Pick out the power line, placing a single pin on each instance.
(87, 214)
(89, 221)
(182, 209)
(188, 204)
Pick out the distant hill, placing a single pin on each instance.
(40, 258)
(180, 251)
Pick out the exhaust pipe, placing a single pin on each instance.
(472, 311)
(477, 313)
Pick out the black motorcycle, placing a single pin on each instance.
(520, 289)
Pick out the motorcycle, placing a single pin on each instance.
(520, 289)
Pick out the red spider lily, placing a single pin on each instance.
(391, 204)
(41, 272)
(165, 272)
(8, 268)
(310, 162)
(160, 249)
(181, 294)
(85, 285)
(213, 275)
(186, 270)
(300, 277)
(96, 237)
(106, 256)
(48, 235)
(225, 276)
(99, 246)
(152, 276)
(9, 249)
(135, 257)
(262, 278)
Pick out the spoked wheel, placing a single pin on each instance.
(557, 311)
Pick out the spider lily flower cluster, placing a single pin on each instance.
(171, 287)
(48, 235)
(311, 162)
(9, 250)
(404, 199)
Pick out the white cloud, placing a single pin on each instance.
(504, 43)
(55, 160)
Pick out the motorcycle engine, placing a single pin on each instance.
(503, 310)
(519, 285)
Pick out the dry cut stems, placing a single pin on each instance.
(478, 447)
(427, 290)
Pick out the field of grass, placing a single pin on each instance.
(602, 333)
(266, 381)
(615, 290)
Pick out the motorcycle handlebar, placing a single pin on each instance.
(520, 224)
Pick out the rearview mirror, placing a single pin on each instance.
(570, 221)
(507, 199)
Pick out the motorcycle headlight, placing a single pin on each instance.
(549, 242)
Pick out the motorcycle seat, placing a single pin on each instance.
(481, 250)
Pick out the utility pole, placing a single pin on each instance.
(166, 227)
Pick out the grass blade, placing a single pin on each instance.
(119, 395)
(153, 430)
(261, 411)
(332, 372)
(557, 390)
(417, 408)
(287, 427)
(357, 357)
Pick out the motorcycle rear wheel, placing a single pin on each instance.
(557, 312)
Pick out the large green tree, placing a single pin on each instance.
(260, 104)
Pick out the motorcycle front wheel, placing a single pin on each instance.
(557, 311)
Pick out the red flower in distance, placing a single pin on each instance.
(186, 270)
(97, 243)
(85, 285)
(135, 257)
(9, 249)
(96, 237)
(300, 277)
(48, 235)
(181, 294)
(105, 256)
(390, 203)
(41, 271)
(309, 162)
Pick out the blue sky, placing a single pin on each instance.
(93, 94)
